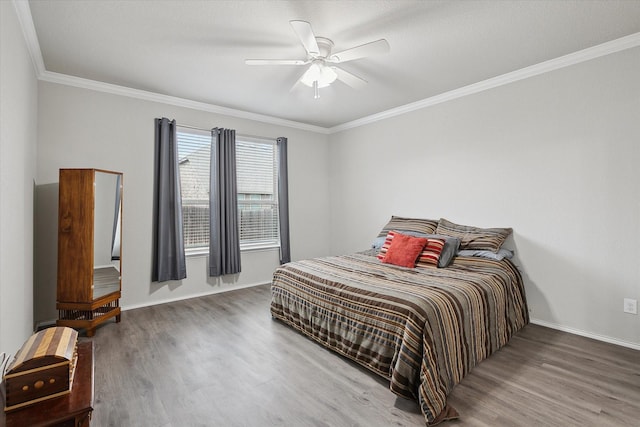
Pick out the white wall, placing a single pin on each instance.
(556, 157)
(90, 129)
(18, 109)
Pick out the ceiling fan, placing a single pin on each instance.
(322, 70)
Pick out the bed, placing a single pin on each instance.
(423, 328)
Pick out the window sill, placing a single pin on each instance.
(263, 247)
(195, 253)
(203, 252)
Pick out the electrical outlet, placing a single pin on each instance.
(630, 306)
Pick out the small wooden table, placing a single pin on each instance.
(71, 410)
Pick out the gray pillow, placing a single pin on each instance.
(377, 244)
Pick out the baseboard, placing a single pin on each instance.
(582, 333)
(184, 297)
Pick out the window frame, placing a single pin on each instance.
(251, 246)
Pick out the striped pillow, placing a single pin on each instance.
(385, 246)
(487, 239)
(426, 226)
(430, 254)
(428, 257)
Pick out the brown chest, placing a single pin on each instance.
(42, 369)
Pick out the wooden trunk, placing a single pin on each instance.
(42, 369)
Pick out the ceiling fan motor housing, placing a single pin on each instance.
(324, 46)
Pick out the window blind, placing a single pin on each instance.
(257, 174)
(256, 171)
(194, 154)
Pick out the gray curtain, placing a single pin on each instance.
(168, 242)
(283, 201)
(224, 231)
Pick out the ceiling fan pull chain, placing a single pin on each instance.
(316, 90)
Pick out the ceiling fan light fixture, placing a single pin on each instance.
(319, 73)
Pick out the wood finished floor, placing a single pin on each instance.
(221, 360)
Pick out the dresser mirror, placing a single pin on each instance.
(106, 229)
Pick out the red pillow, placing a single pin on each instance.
(403, 250)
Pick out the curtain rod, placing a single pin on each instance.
(209, 130)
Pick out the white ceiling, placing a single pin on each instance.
(196, 49)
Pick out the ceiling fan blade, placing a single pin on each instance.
(349, 78)
(275, 62)
(367, 49)
(306, 36)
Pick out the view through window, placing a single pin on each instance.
(257, 174)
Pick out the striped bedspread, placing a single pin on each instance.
(423, 328)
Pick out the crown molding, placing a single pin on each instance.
(29, 31)
(617, 45)
(64, 79)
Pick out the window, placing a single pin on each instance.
(257, 175)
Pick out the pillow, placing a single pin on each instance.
(486, 239)
(499, 256)
(430, 255)
(426, 226)
(449, 251)
(385, 246)
(377, 244)
(403, 250)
